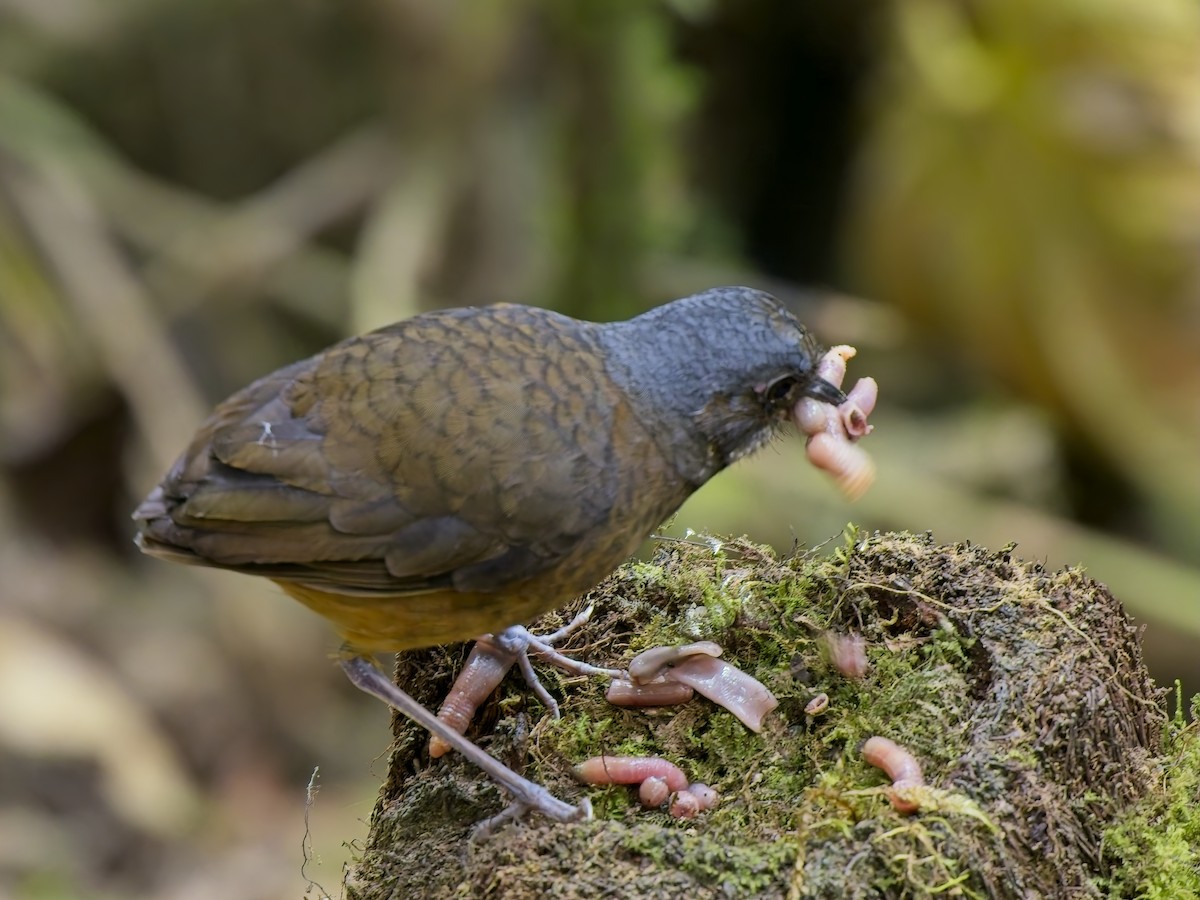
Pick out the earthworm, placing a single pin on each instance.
(631, 770)
(698, 797)
(695, 666)
(847, 653)
(650, 684)
(660, 692)
(832, 431)
(851, 467)
(685, 805)
(727, 686)
(860, 401)
(832, 366)
(482, 673)
(812, 416)
(649, 663)
(657, 779)
(707, 796)
(899, 765)
(653, 792)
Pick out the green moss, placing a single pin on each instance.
(985, 668)
(738, 871)
(1155, 846)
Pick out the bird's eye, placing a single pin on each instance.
(778, 389)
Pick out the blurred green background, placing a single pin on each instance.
(195, 192)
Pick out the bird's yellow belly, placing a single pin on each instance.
(405, 622)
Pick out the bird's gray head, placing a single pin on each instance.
(717, 373)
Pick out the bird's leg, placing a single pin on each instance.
(526, 794)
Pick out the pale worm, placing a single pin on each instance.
(657, 780)
(693, 666)
(660, 692)
(707, 796)
(851, 467)
(482, 673)
(630, 770)
(847, 653)
(685, 805)
(649, 663)
(653, 792)
(727, 686)
(690, 803)
(650, 682)
(899, 765)
(860, 402)
(832, 431)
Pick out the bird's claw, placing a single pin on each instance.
(528, 796)
(518, 808)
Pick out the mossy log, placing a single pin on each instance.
(1052, 767)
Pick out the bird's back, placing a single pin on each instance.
(448, 475)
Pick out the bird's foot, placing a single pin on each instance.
(519, 641)
(527, 795)
(518, 808)
(490, 660)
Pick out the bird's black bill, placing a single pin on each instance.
(820, 389)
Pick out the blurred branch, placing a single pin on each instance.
(40, 33)
(148, 212)
(401, 236)
(151, 215)
(1159, 448)
(47, 372)
(129, 337)
(273, 226)
(56, 702)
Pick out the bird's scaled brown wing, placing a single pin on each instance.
(434, 454)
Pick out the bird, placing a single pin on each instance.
(463, 471)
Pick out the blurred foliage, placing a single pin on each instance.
(194, 193)
(1031, 192)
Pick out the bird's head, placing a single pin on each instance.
(721, 370)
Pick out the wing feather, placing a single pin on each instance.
(390, 464)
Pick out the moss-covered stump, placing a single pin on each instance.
(1052, 767)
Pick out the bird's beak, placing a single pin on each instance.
(820, 389)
